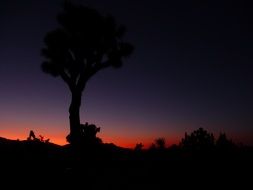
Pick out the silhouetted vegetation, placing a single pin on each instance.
(224, 143)
(88, 134)
(84, 43)
(108, 166)
(138, 147)
(198, 140)
(160, 143)
(32, 137)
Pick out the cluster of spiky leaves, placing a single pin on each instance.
(85, 43)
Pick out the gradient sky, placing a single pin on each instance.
(192, 67)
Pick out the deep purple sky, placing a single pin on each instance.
(192, 67)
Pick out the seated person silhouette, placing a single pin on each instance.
(31, 136)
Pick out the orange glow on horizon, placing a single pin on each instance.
(129, 141)
(125, 142)
(124, 138)
(23, 136)
(13, 130)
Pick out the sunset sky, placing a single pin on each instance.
(192, 67)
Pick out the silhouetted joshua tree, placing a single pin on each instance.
(160, 143)
(223, 142)
(85, 43)
(198, 140)
(138, 147)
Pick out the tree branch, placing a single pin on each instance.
(99, 67)
(67, 79)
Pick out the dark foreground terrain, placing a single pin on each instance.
(33, 164)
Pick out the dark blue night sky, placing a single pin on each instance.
(192, 67)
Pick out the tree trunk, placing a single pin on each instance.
(74, 117)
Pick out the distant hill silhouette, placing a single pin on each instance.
(107, 166)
